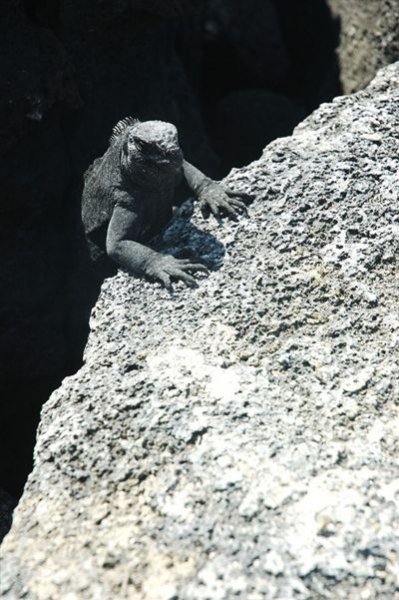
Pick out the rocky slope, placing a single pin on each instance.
(69, 71)
(239, 440)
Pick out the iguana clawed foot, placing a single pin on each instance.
(166, 267)
(222, 201)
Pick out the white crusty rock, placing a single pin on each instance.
(239, 440)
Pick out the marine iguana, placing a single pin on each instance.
(129, 195)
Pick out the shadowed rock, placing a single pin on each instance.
(369, 39)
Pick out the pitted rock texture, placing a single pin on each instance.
(369, 38)
(239, 440)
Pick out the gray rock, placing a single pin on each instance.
(369, 38)
(239, 440)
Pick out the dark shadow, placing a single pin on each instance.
(20, 417)
(7, 505)
(311, 35)
(45, 13)
(266, 65)
(184, 240)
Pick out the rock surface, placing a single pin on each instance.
(369, 38)
(239, 440)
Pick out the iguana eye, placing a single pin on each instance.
(142, 144)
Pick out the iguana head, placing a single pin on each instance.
(151, 146)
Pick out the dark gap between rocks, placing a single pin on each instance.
(261, 75)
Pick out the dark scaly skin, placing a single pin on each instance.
(129, 195)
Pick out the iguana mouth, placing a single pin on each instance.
(165, 159)
(156, 159)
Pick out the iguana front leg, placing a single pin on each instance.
(124, 226)
(212, 196)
